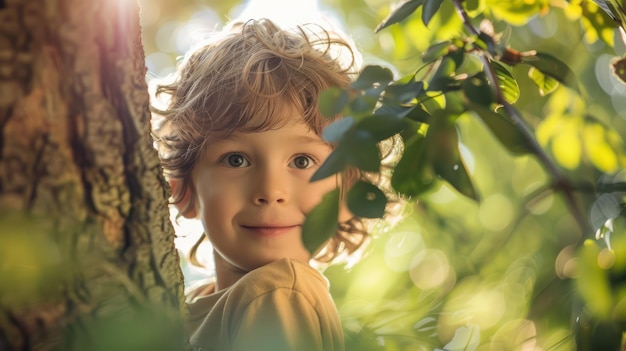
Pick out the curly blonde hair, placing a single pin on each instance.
(240, 80)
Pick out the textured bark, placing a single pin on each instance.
(76, 159)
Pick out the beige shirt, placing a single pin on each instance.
(284, 305)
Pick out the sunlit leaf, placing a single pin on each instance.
(507, 83)
(597, 24)
(366, 200)
(504, 130)
(442, 141)
(592, 282)
(545, 83)
(598, 150)
(322, 222)
(465, 339)
(413, 175)
(332, 101)
(429, 10)
(567, 148)
(403, 11)
(553, 67)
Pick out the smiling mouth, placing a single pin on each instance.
(269, 231)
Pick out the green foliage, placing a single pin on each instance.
(322, 222)
(474, 77)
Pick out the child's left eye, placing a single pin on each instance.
(302, 162)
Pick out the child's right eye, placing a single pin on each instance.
(235, 160)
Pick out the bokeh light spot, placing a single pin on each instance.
(496, 212)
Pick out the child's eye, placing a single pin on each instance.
(236, 160)
(302, 162)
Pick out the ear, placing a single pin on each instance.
(185, 204)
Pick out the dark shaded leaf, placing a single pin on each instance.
(413, 175)
(403, 93)
(335, 131)
(442, 79)
(321, 223)
(477, 90)
(403, 11)
(436, 51)
(504, 130)
(366, 200)
(332, 101)
(506, 81)
(373, 76)
(553, 67)
(429, 10)
(363, 150)
(381, 127)
(442, 140)
(335, 163)
(418, 114)
(363, 104)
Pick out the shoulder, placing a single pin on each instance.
(281, 277)
(284, 273)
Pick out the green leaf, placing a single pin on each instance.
(380, 126)
(436, 51)
(413, 175)
(362, 150)
(442, 140)
(477, 90)
(403, 93)
(363, 104)
(429, 10)
(553, 67)
(335, 131)
(506, 82)
(373, 76)
(418, 114)
(332, 101)
(442, 79)
(400, 13)
(504, 130)
(366, 200)
(335, 163)
(321, 223)
(545, 83)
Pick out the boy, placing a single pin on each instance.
(239, 141)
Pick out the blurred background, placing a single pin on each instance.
(456, 274)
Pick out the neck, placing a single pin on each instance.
(226, 274)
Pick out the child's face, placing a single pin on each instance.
(253, 193)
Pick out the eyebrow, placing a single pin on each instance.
(305, 139)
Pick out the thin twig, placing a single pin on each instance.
(561, 183)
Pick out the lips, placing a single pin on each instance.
(268, 231)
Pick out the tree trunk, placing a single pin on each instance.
(85, 237)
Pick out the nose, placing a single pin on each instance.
(270, 187)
